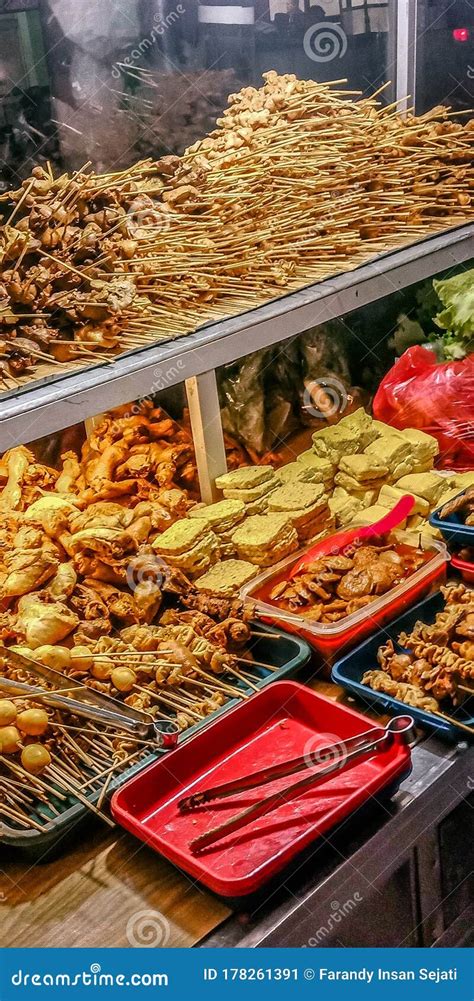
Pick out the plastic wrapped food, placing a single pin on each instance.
(420, 392)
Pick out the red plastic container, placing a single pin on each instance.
(282, 721)
(466, 569)
(330, 640)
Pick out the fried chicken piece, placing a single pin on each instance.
(147, 600)
(16, 461)
(53, 513)
(44, 623)
(93, 630)
(88, 603)
(90, 565)
(61, 587)
(106, 542)
(70, 480)
(28, 569)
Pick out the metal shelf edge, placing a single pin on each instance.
(48, 407)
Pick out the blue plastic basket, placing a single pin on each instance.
(349, 670)
(452, 528)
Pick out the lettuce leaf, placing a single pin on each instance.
(457, 295)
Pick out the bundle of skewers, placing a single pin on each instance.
(180, 671)
(297, 182)
(432, 666)
(185, 668)
(51, 758)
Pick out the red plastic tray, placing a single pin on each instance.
(465, 567)
(284, 720)
(332, 640)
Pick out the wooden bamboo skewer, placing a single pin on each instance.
(242, 677)
(20, 817)
(33, 780)
(58, 776)
(40, 696)
(104, 790)
(113, 767)
(176, 704)
(257, 663)
(456, 722)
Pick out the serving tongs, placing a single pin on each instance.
(334, 758)
(88, 703)
(338, 542)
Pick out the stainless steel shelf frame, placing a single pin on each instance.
(42, 409)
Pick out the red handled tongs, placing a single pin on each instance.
(333, 757)
(339, 541)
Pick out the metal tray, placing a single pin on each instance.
(288, 654)
(348, 672)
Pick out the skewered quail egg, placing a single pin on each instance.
(102, 669)
(33, 722)
(82, 659)
(123, 679)
(35, 758)
(9, 739)
(7, 712)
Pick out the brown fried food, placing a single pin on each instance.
(464, 502)
(356, 584)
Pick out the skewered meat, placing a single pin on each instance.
(82, 253)
(380, 681)
(433, 660)
(462, 504)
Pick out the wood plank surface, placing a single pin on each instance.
(106, 890)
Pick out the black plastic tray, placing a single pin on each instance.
(349, 671)
(287, 653)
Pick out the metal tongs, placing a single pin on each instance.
(89, 704)
(333, 757)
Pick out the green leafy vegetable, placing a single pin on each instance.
(457, 318)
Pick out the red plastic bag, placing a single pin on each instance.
(420, 392)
